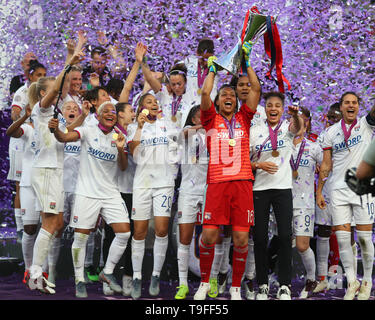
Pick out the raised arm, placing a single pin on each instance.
(14, 129)
(296, 122)
(48, 99)
(61, 136)
(86, 105)
(208, 84)
(154, 83)
(125, 93)
(255, 88)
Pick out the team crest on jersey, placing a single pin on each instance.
(207, 216)
(164, 129)
(357, 128)
(23, 211)
(52, 205)
(221, 125)
(238, 125)
(179, 214)
(113, 143)
(133, 212)
(18, 173)
(75, 219)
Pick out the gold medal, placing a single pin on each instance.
(199, 91)
(66, 130)
(115, 136)
(146, 112)
(174, 118)
(295, 174)
(232, 142)
(275, 153)
(193, 159)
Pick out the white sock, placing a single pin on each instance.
(367, 253)
(250, 261)
(89, 258)
(308, 260)
(27, 248)
(322, 254)
(346, 254)
(355, 253)
(138, 252)
(224, 268)
(18, 218)
(40, 252)
(53, 255)
(183, 252)
(218, 257)
(160, 250)
(78, 254)
(116, 251)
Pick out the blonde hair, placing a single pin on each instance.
(35, 88)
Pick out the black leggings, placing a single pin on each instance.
(282, 203)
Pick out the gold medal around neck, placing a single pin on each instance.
(115, 136)
(199, 91)
(146, 112)
(174, 118)
(193, 159)
(295, 174)
(232, 142)
(275, 153)
(66, 130)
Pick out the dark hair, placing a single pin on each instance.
(334, 107)
(234, 81)
(120, 106)
(99, 50)
(305, 112)
(180, 69)
(206, 46)
(92, 95)
(227, 85)
(140, 102)
(191, 114)
(34, 65)
(345, 94)
(115, 85)
(276, 94)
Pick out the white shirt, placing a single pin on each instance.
(156, 156)
(29, 154)
(126, 178)
(282, 179)
(98, 170)
(91, 120)
(72, 152)
(303, 186)
(343, 159)
(49, 152)
(188, 101)
(191, 63)
(21, 98)
(259, 115)
(193, 170)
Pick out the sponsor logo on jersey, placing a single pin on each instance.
(207, 216)
(351, 142)
(72, 149)
(268, 145)
(98, 154)
(225, 134)
(154, 141)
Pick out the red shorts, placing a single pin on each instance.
(229, 203)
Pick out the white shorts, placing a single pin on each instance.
(347, 206)
(68, 206)
(303, 222)
(86, 211)
(189, 207)
(15, 164)
(28, 206)
(156, 201)
(48, 187)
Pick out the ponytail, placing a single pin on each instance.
(35, 89)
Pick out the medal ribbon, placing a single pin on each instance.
(175, 103)
(230, 125)
(295, 164)
(273, 135)
(346, 132)
(201, 76)
(121, 128)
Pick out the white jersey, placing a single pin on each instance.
(303, 186)
(28, 155)
(156, 156)
(282, 179)
(21, 99)
(191, 63)
(260, 115)
(194, 164)
(126, 178)
(98, 170)
(72, 152)
(327, 185)
(49, 152)
(345, 157)
(188, 101)
(91, 120)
